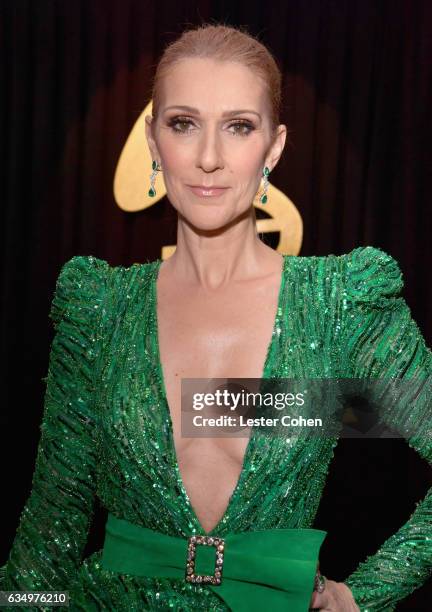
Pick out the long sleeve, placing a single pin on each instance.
(382, 341)
(53, 527)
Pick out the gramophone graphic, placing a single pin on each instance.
(131, 193)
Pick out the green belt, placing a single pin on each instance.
(271, 568)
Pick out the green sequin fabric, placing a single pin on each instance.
(106, 429)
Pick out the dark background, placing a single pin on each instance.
(74, 77)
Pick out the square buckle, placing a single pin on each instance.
(206, 540)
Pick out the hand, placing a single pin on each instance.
(336, 597)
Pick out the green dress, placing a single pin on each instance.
(106, 429)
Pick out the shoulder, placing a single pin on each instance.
(366, 274)
(79, 288)
(87, 285)
(371, 275)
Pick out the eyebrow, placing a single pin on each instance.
(230, 113)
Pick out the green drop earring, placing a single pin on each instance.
(156, 168)
(266, 172)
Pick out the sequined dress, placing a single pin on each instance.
(107, 432)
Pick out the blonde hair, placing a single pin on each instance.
(223, 43)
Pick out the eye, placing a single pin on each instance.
(243, 124)
(179, 121)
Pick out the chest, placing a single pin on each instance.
(223, 334)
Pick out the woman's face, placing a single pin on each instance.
(223, 139)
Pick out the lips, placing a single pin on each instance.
(208, 192)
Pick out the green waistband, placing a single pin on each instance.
(272, 568)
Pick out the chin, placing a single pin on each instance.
(209, 217)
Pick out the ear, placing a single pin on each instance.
(149, 119)
(276, 147)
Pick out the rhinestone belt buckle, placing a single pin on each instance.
(190, 575)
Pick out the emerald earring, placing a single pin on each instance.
(266, 172)
(155, 168)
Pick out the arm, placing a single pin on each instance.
(53, 526)
(382, 340)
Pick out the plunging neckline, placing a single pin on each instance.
(163, 395)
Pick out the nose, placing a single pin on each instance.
(209, 154)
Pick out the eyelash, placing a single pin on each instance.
(172, 122)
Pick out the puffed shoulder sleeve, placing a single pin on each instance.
(383, 342)
(53, 526)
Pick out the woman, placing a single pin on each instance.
(224, 305)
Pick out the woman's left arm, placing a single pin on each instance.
(381, 340)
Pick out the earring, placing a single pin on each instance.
(155, 168)
(266, 172)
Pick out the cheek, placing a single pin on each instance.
(247, 167)
(248, 177)
(176, 166)
(175, 161)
